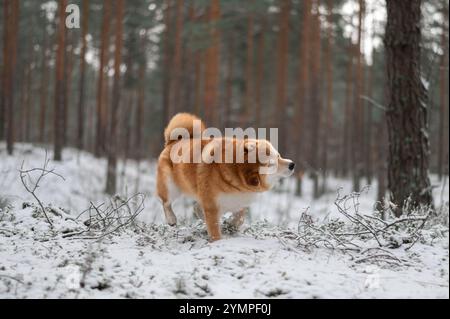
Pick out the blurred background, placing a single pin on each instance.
(315, 69)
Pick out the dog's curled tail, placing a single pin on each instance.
(180, 125)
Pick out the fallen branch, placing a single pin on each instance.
(31, 186)
(106, 220)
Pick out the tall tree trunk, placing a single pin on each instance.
(68, 68)
(58, 138)
(104, 48)
(316, 104)
(443, 117)
(358, 117)
(141, 99)
(6, 65)
(381, 152)
(212, 60)
(166, 56)
(176, 66)
(140, 113)
(281, 72)
(348, 123)
(12, 60)
(407, 107)
(112, 147)
(329, 102)
(303, 91)
(368, 154)
(81, 98)
(45, 73)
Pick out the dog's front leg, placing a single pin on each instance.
(212, 220)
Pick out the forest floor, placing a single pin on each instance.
(289, 247)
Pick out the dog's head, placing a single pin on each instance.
(265, 165)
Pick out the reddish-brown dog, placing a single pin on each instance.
(219, 186)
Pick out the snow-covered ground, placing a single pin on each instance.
(148, 259)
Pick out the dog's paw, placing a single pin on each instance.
(171, 221)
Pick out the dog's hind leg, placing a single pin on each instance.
(168, 192)
(212, 220)
(171, 219)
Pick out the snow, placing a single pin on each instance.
(153, 260)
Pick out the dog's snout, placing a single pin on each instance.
(292, 166)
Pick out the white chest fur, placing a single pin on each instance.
(235, 202)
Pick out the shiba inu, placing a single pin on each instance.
(221, 174)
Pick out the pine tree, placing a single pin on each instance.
(58, 138)
(407, 113)
(82, 85)
(115, 103)
(10, 82)
(303, 91)
(45, 74)
(104, 48)
(443, 95)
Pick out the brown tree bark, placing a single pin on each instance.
(81, 97)
(104, 48)
(212, 60)
(58, 138)
(329, 101)
(407, 111)
(115, 104)
(315, 105)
